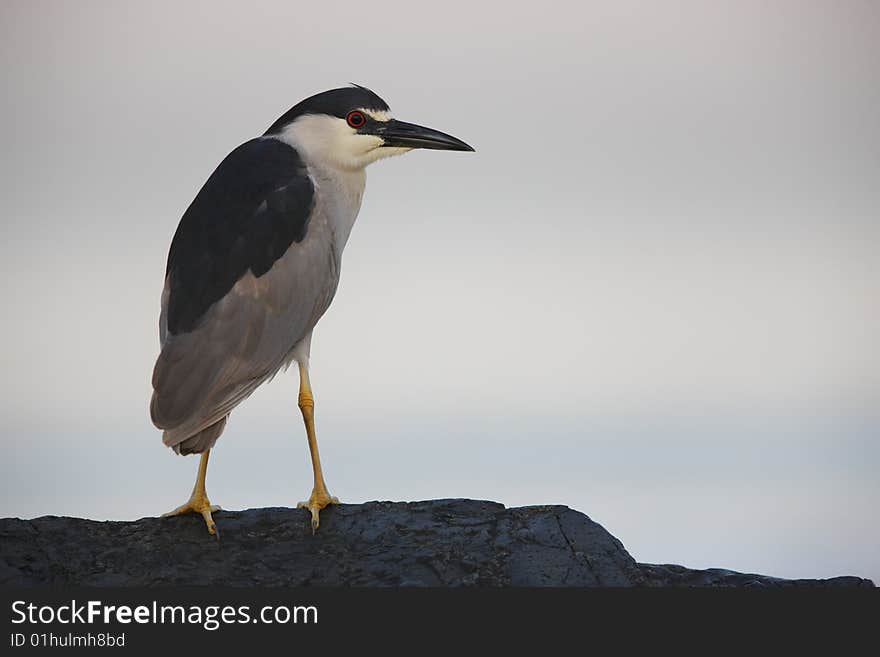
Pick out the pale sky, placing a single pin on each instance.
(651, 294)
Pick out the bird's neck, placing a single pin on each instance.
(340, 192)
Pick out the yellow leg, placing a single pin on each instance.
(198, 501)
(319, 497)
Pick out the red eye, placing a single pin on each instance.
(356, 119)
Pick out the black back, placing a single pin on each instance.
(245, 217)
(336, 102)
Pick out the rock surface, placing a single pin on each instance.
(432, 543)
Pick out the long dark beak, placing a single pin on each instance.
(410, 135)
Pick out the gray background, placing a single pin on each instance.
(652, 293)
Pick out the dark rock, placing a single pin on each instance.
(679, 576)
(432, 543)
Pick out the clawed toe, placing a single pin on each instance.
(314, 504)
(202, 506)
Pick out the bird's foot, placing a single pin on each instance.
(198, 503)
(317, 501)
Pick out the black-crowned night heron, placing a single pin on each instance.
(255, 263)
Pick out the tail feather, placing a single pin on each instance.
(201, 441)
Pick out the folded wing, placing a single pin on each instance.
(242, 287)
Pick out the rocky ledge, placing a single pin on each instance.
(432, 543)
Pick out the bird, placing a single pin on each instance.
(254, 264)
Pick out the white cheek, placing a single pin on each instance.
(357, 145)
(330, 142)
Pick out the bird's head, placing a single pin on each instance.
(352, 127)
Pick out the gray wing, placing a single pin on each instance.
(250, 271)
